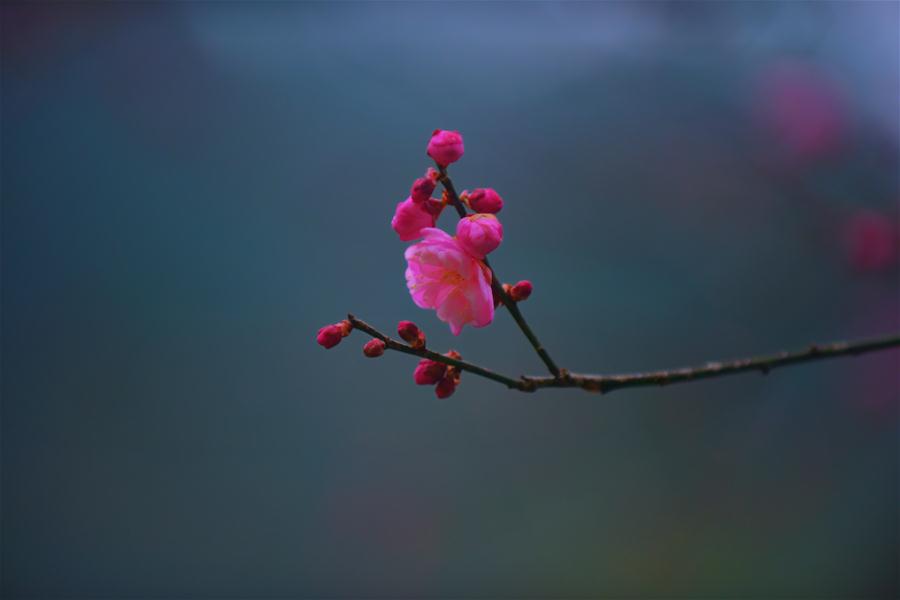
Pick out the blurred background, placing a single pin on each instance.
(190, 190)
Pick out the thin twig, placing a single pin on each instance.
(393, 344)
(497, 285)
(609, 383)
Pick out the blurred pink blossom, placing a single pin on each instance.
(443, 276)
(872, 241)
(802, 109)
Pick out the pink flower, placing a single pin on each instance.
(442, 275)
(479, 234)
(485, 200)
(445, 147)
(410, 218)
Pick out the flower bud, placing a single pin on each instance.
(422, 188)
(485, 200)
(445, 147)
(479, 234)
(409, 220)
(433, 207)
(373, 348)
(445, 387)
(329, 336)
(411, 334)
(521, 291)
(429, 372)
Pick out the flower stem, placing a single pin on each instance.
(497, 285)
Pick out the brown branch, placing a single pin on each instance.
(497, 285)
(393, 344)
(608, 383)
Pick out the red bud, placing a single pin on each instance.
(373, 348)
(329, 336)
(445, 387)
(411, 334)
(429, 372)
(521, 291)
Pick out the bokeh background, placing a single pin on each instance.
(190, 190)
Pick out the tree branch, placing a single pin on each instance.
(497, 285)
(609, 383)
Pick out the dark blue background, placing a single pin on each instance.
(190, 190)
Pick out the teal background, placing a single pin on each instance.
(190, 190)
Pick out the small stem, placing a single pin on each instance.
(497, 286)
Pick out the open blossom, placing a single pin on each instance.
(445, 147)
(410, 218)
(443, 276)
(479, 234)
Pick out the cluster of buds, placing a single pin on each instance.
(446, 273)
(444, 378)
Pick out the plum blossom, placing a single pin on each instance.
(443, 276)
(410, 218)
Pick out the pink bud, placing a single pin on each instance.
(521, 291)
(445, 387)
(373, 348)
(329, 336)
(411, 334)
(445, 147)
(423, 187)
(479, 234)
(485, 200)
(429, 372)
(409, 220)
